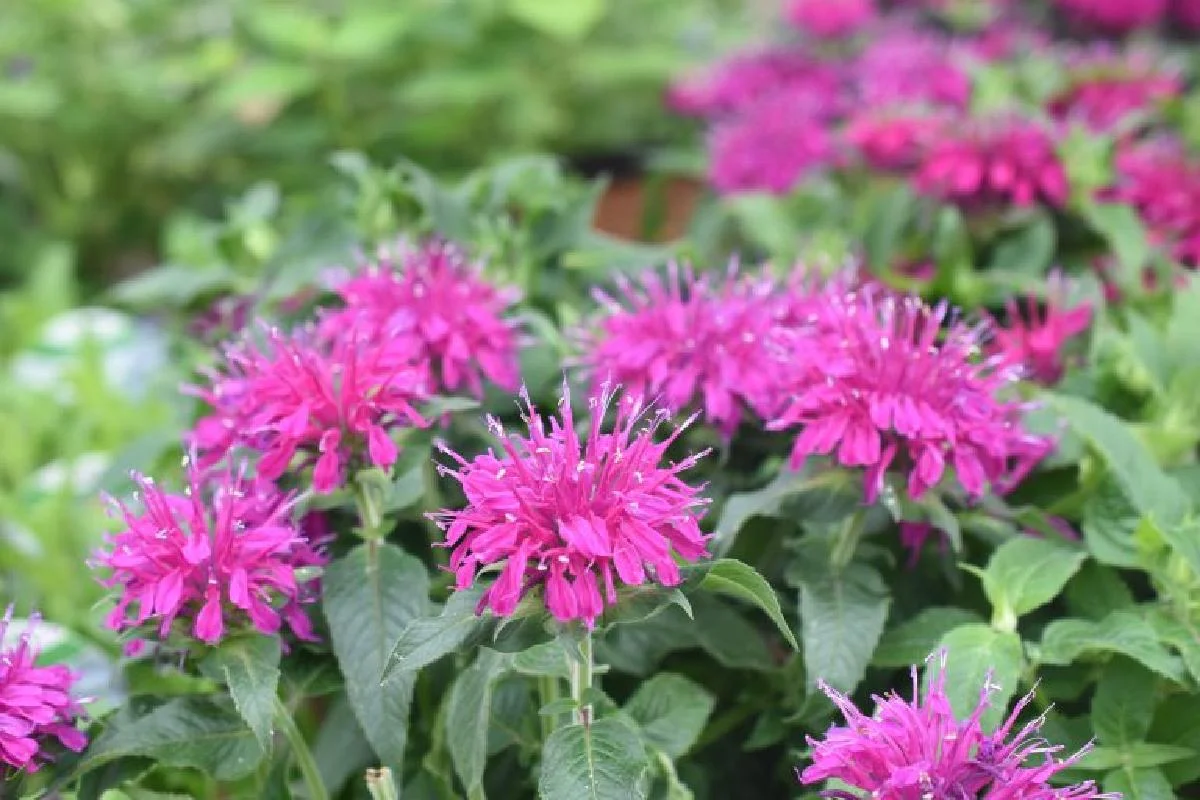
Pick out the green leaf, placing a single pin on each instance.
(731, 577)
(1123, 705)
(467, 714)
(603, 761)
(1028, 250)
(1139, 784)
(827, 495)
(1096, 591)
(1109, 522)
(912, 641)
(977, 653)
(1148, 487)
(726, 636)
(249, 665)
(1124, 632)
(1178, 723)
(1121, 227)
(1025, 573)
(340, 749)
(890, 211)
(569, 21)
(545, 659)
(672, 712)
(427, 639)
(171, 285)
(842, 614)
(370, 597)
(1137, 755)
(186, 732)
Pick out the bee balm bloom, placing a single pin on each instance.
(217, 556)
(830, 18)
(572, 514)
(1034, 340)
(914, 749)
(1115, 16)
(435, 304)
(35, 705)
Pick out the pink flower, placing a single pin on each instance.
(1035, 340)
(915, 749)
(907, 66)
(830, 19)
(219, 555)
(1115, 16)
(570, 514)
(688, 342)
(35, 705)
(893, 140)
(335, 403)
(882, 381)
(740, 81)
(1158, 179)
(772, 145)
(1187, 14)
(995, 163)
(433, 303)
(1106, 89)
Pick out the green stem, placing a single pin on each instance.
(847, 540)
(304, 757)
(581, 680)
(549, 690)
(368, 513)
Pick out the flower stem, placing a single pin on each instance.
(581, 680)
(304, 757)
(368, 513)
(847, 539)
(549, 690)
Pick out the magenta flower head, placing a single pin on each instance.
(1105, 89)
(995, 163)
(893, 140)
(830, 19)
(1115, 16)
(914, 749)
(570, 513)
(888, 382)
(907, 66)
(219, 556)
(689, 342)
(738, 82)
(772, 144)
(1186, 13)
(1034, 340)
(332, 403)
(1158, 178)
(36, 706)
(431, 301)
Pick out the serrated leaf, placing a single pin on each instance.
(1139, 784)
(975, 653)
(671, 711)
(1025, 573)
(735, 579)
(726, 636)
(1123, 705)
(913, 640)
(427, 639)
(371, 595)
(467, 715)
(1125, 632)
(249, 665)
(1109, 522)
(186, 732)
(1136, 755)
(842, 614)
(603, 761)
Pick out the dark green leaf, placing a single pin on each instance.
(1125, 632)
(547, 658)
(842, 614)
(726, 636)
(671, 711)
(730, 577)
(370, 596)
(603, 761)
(341, 749)
(1109, 522)
(249, 665)
(467, 713)
(912, 641)
(428, 639)
(1124, 703)
(976, 653)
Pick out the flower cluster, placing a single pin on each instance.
(223, 554)
(893, 139)
(1115, 16)
(917, 748)
(1162, 183)
(572, 514)
(1034, 340)
(1105, 89)
(36, 705)
(830, 18)
(430, 305)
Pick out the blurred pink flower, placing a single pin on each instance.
(830, 19)
(772, 145)
(334, 403)
(569, 515)
(1034, 340)
(35, 705)
(994, 162)
(888, 382)
(893, 140)
(1186, 13)
(430, 301)
(688, 342)
(917, 748)
(222, 554)
(742, 80)
(904, 65)
(1115, 16)
(1106, 88)
(1160, 180)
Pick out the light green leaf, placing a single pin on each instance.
(467, 717)
(249, 665)
(1025, 573)
(975, 654)
(1137, 755)
(1121, 227)
(545, 659)
(1139, 784)
(570, 21)
(672, 711)
(427, 639)
(370, 597)
(1123, 705)
(912, 641)
(603, 761)
(1109, 522)
(1028, 250)
(842, 614)
(1125, 632)
(735, 579)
